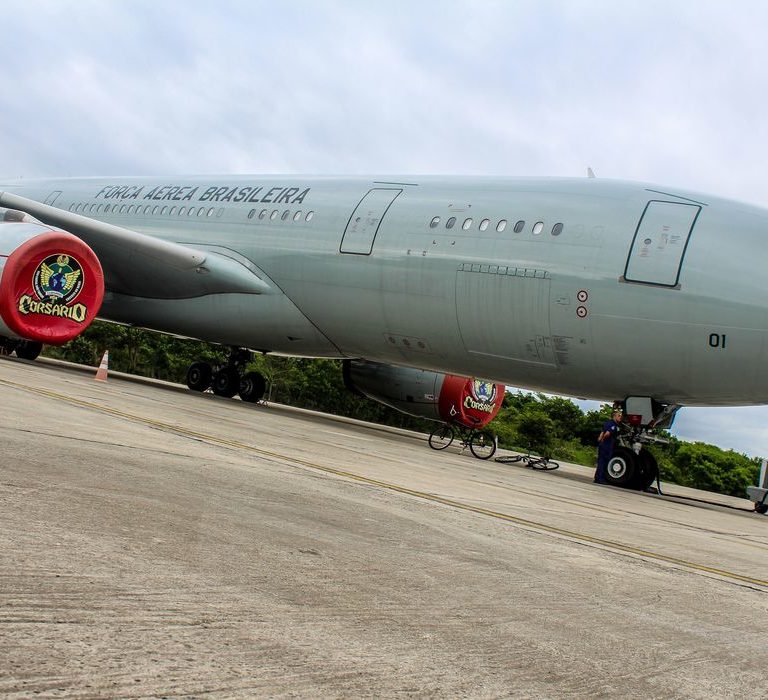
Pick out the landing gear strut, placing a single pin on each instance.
(632, 466)
(229, 379)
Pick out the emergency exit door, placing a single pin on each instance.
(658, 248)
(365, 221)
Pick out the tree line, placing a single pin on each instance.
(544, 425)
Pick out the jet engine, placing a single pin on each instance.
(51, 283)
(426, 394)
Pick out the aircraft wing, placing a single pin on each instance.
(138, 265)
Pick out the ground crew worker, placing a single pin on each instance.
(605, 446)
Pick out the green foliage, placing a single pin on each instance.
(536, 430)
(544, 425)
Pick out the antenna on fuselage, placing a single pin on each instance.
(590, 173)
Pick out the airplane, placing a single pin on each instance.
(649, 296)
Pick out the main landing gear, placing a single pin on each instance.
(632, 465)
(24, 349)
(229, 379)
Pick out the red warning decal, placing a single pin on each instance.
(471, 402)
(51, 288)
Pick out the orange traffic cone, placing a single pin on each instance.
(101, 373)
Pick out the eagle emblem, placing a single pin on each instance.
(58, 278)
(484, 391)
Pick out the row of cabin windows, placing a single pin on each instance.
(537, 228)
(272, 215)
(147, 209)
(158, 210)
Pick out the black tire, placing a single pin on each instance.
(252, 387)
(199, 376)
(441, 437)
(761, 508)
(647, 470)
(8, 345)
(544, 464)
(482, 444)
(28, 349)
(622, 468)
(226, 382)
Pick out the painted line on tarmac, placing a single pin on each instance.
(422, 495)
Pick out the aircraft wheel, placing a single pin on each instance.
(28, 349)
(482, 444)
(199, 376)
(761, 508)
(8, 345)
(226, 382)
(622, 468)
(252, 387)
(647, 470)
(441, 437)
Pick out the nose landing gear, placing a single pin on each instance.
(632, 466)
(229, 379)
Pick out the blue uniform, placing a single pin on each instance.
(605, 450)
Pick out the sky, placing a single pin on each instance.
(667, 92)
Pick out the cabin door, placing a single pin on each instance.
(366, 219)
(658, 248)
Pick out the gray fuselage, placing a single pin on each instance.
(606, 288)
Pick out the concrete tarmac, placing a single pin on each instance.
(159, 543)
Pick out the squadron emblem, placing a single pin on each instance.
(58, 278)
(57, 281)
(484, 391)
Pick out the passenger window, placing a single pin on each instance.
(201, 211)
(484, 224)
(273, 215)
(467, 224)
(285, 215)
(310, 215)
(435, 222)
(163, 210)
(171, 211)
(519, 226)
(155, 209)
(501, 225)
(122, 209)
(182, 210)
(191, 211)
(210, 211)
(107, 208)
(450, 222)
(297, 216)
(262, 213)
(538, 227)
(557, 229)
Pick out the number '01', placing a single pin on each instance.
(717, 340)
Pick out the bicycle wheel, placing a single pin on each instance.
(543, 464)
(482, 444)
(441, 437)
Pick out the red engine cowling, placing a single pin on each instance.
(444, 397)
(51, 282)
(472, 402)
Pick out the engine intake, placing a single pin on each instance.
(51, 282)
(441, 397)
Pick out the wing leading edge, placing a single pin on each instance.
(138, 265)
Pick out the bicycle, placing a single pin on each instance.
(481, 443)
(544, 464)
